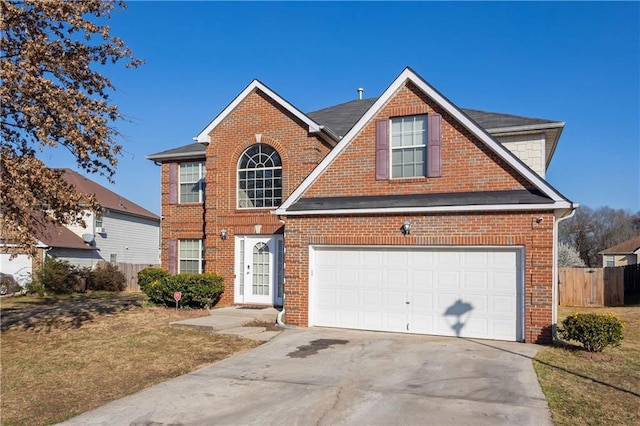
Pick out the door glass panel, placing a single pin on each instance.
(241, 268)
(261, 269)
(280, 276)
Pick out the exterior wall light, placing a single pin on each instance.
(406, 228)
(223, 234)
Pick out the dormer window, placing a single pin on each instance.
(259, 178)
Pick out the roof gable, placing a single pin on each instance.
(203, 136)
(409, 76)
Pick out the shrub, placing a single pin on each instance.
(198, 290)
(106, 277)
(149, 275)
(55, 276)
(594, 331)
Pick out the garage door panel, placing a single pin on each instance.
(503, 282)
(503, 306)
(346, 276)
(476, 280)
(421, 278)
(421, 302)
(396, 322)
(372, 277)
(347, 297)
(448, 291)
(395, 299)
(327, 297)
(447, 280)
(478, 303)
(372, 299)
(372, 320)
(422, 324)
(397, 277)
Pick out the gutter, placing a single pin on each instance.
(567, 214)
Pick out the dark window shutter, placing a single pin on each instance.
(173, 183)
(173, 256)
(382, 149)
(434, 146)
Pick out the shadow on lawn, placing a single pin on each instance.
(50, 314)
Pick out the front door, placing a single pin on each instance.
(259, 261)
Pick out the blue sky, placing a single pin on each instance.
(567, 61)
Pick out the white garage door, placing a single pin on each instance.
(450, 292)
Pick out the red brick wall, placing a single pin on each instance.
(467, 164)
(300, 153)
(493, 229)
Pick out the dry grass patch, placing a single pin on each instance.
(590, 389)
(58, 366)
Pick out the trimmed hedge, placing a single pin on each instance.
(198, 290)
(594, 331)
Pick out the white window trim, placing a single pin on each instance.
(200, 182)
(199, 259)
(401, 148)
(238, 170)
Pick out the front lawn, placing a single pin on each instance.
(62, 356)
(594, 389)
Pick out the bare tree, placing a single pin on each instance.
(52, 95)
(590, 231)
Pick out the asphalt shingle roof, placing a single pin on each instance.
(342, 117)
(421, 200)
(627, 247)
(105, 197)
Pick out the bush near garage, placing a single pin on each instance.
(594, 331)
(198, 290)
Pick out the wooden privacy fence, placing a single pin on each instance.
(591, 286)
(130, 271)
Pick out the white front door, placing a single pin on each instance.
(259, 274)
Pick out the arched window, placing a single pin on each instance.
(259, 178)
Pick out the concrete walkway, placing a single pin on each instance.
(237, 321)
(322, 376)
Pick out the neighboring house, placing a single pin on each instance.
(402, 213)
(623, 254)
(123, 232)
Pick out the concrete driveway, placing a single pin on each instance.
(327, 376)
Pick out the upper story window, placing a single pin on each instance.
(192, 182)
(259, 178)
(98, 222)
(611, 261)
(408, 146)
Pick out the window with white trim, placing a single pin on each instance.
(259, 178)
(611, 261)
(191, 257)
(409, 146)
(192, 182)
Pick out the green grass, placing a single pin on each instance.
(594, 389)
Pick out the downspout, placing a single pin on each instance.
(554, 309)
